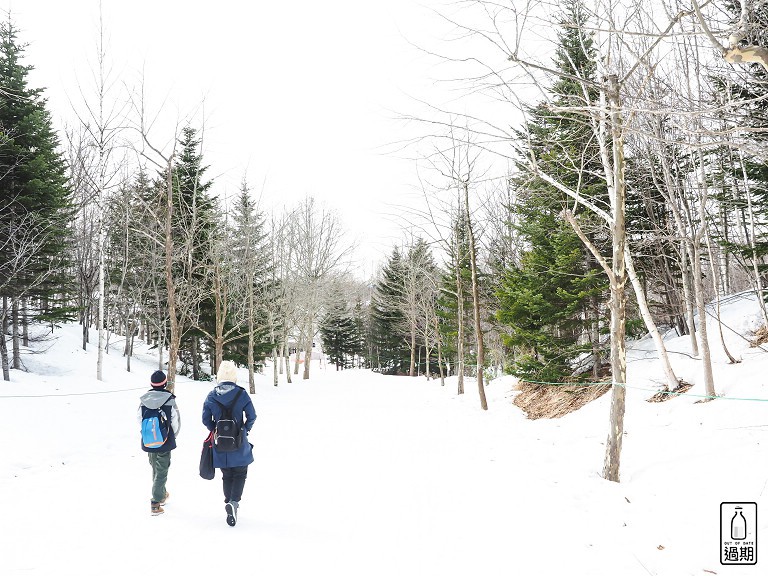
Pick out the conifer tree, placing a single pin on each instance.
(195, 221)
(337, 329)
(740, 176)
(389, 337)
(33, 184)
(548, 301)
(361, 329)
(252, 322)
(542, 301)
(35, 202)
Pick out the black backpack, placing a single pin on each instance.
(227, 436)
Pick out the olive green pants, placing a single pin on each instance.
(160, 462)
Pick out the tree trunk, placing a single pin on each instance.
(476, 302)
(672, 380)
(175, 339)
(595, 336)
(251, 330)
(709, 382)
(439, 350)
(288, 362)
(101, 295)
(274, 370)
(718, 286)
(24, 323)
(618, 297)
(698, 279)
(307, 357)
(220, 313)
(459, 317)
(128, 327)
(129, 348)
(427, 344)
(196, 359)
(689, 306)
(85, 324)
(685, 255)
(418, 362)
(161, 347)
(15, 334)
(3, 340)
(218, 353)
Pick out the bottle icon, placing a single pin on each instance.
(738, 525)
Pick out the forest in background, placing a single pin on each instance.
(631, 195)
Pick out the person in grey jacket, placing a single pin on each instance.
(160, 456)
(234, 465)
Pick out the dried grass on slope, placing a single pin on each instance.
(555, 401)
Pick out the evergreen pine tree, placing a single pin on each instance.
(195, 221)
(547, 302)
(361, 329)
(35, 202)
(337, 329)
(389, 335)
(740, 177)
(251, 258)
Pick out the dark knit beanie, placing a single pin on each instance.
(158, 379)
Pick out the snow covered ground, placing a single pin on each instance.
(362, 474)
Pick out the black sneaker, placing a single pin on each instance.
(231, 508)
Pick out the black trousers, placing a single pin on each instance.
(234, 482)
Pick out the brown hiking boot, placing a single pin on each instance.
(157, 509)
(162, 502)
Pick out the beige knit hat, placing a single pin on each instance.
(227, 372)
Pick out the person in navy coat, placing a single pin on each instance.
(234, 465)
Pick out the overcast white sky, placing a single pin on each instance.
(300, 94)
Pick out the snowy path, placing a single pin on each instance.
(354, 474)
(361, 474)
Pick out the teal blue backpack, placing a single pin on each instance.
(154, 427)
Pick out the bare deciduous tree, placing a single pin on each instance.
(317, 250)
(24, 238)
(103, 121)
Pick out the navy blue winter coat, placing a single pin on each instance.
(212, 411)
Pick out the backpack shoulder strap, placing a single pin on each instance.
(228, 407)
(232, 404)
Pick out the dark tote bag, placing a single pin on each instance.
(207, 470)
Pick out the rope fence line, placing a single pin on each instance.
(73, 394)
(655, 391)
